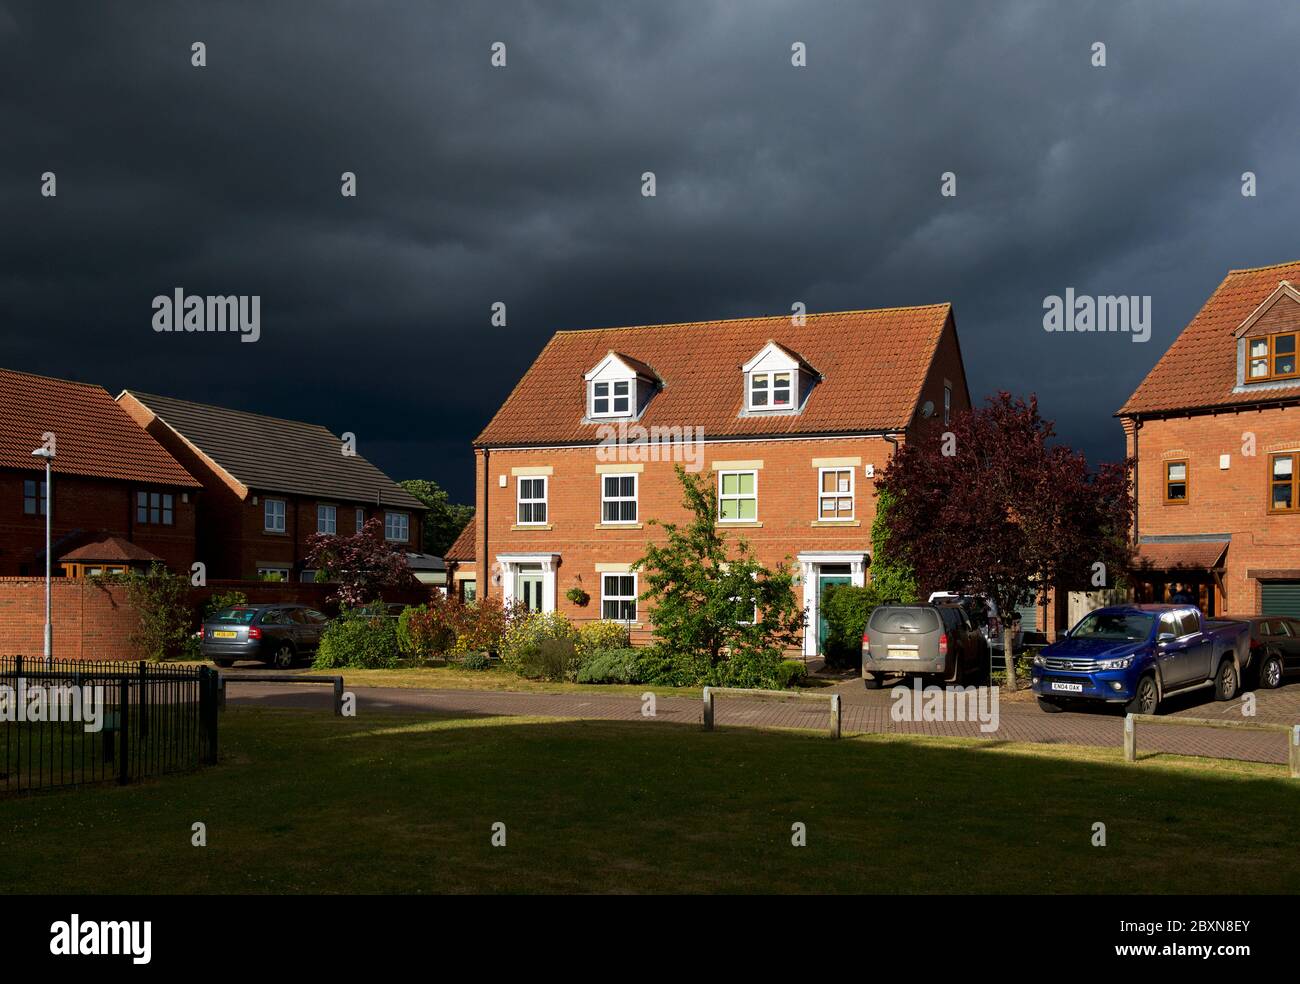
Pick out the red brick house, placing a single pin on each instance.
(792, 420)
(1215, 431)
(462, 572)
(270, 484)
(112, 481)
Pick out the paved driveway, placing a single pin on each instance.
(863, 711)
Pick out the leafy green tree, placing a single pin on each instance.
(162, 602)
(893, 578)
(444, 520)
(710, 602)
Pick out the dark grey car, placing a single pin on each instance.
(929, 640)
(274, 634)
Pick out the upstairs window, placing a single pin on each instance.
(1271, 357)
(327, 519)
(737, 496)
(361, 519)
(154, 508)
(1282, 476)
(1176, 481)
(618, 498)
(532, 501)
(397, 527)
(33, 497)
(771, 390)
(273, 515)
(835, 499)
(611, 398)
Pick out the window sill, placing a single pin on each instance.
(725, 524)
(836, 522)
(618, 526)
(530, 526)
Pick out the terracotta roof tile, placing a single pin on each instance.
(111, 548)
(94, 436)
(463, 549)
(873, 364)
(1199, 370)
(1199, 555)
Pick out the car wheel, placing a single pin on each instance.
(874, 681)
(1270, 673)
(283, 658)
(1145, 699)
(1225, 683)
(1050, 706)
(224, 664)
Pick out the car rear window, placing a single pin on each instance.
(904, 620)
(234, 616)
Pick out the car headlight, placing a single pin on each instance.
(1115, 664)
(1038, 660)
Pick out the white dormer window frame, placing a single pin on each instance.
(774, 381)
(611, 389)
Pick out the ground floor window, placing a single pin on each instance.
(618, 597)
(273, 573)
(468, 591)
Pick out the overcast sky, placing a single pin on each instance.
(522, 184)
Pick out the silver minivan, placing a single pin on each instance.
(929, 640)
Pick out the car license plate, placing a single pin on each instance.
(896, 652)
(223, 634)
(1069, 688)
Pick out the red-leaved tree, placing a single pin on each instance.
(363, 564)
(992, 507)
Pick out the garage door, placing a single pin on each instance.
(1281, 598)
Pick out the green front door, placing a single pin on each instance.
(823, 580)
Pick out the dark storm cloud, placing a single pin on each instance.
(775, 184)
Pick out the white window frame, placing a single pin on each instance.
(612, 396)
(327, 518)
(853, 499)
(361, 519)
(268, 514)
(633, 498)
(737, 498)
(533, 501)
(769, 378)
(390, 518)
(284, 572)
(947, 404)
(619, 599)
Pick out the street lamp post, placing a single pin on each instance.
(48, 455)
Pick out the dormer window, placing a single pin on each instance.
(611, 399)
(619, 386)
(771, 390)
(1272, 357)
(776, 380)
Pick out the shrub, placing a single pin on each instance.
(428, 631)
(522, 641)
(405, 643)
(474, 661)
(604, 634)
(846, 609)
(790, 672)
(664, 668)
(224, 599)
(166, 626)
(622, 665)
(484, 624)
(548, 659)
(754, 667)
(358, 642)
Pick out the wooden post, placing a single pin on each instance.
(1293, 752)
(835, 715)
(338, 696)
(708, 709)
(1130, 739)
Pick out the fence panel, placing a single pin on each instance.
(76, 722)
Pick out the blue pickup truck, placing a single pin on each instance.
(1137, 655)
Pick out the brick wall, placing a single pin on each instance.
(92, 506)
(96, 621)
(1223, 500)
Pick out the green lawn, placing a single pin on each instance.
(304, 802)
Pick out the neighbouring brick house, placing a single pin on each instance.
(117, 491)
(270, 484)
(794, 420)
(462, 572)
(1215, 431)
